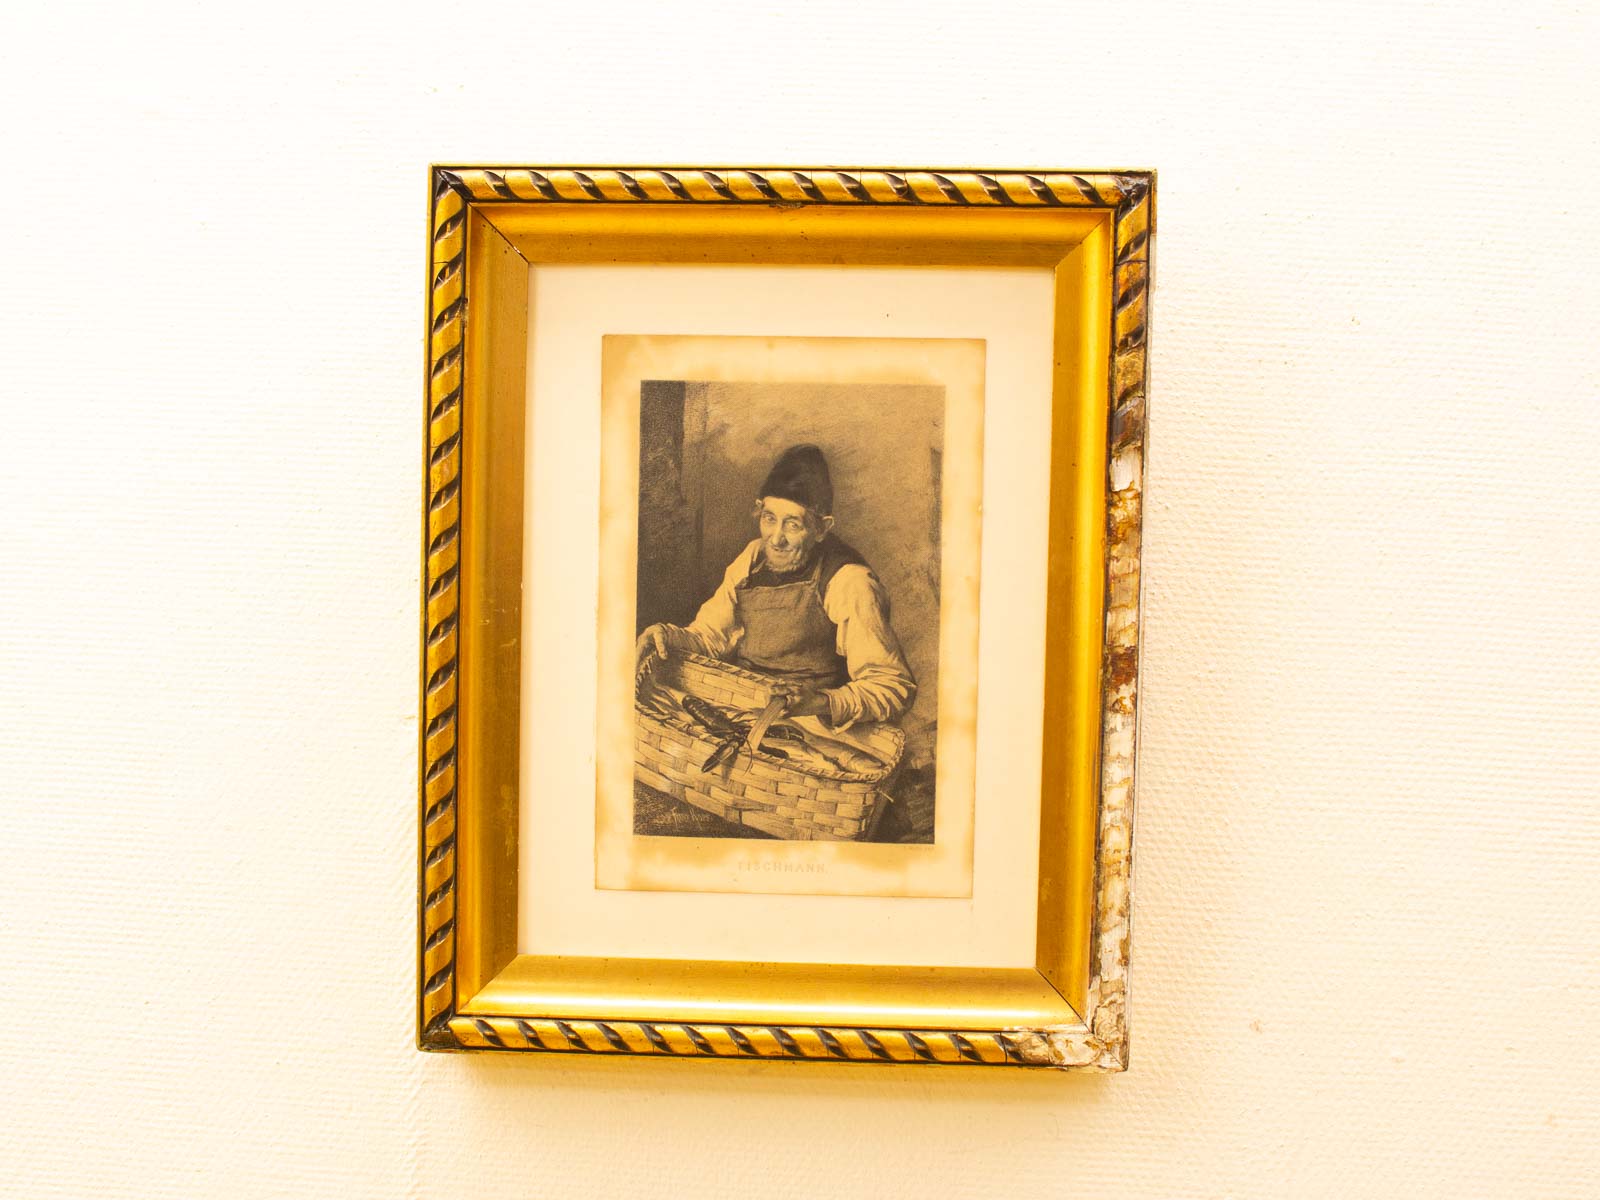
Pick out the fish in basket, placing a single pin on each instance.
(693, 723)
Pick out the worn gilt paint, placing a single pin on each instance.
(1100, 1040)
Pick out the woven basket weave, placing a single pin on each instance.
(760, 791)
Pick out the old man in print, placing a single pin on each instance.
(800, 605)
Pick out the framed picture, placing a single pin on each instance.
(781, 612)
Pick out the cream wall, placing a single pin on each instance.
(1366, 914)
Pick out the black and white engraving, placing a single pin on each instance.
(788, 610)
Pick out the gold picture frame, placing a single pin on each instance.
(1093, 229)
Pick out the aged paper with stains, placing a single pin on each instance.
(903, 420)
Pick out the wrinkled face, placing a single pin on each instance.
(789, 532)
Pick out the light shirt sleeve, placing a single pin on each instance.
(881, 687)
(715, 630)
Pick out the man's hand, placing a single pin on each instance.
(652, 643)
(807, 702)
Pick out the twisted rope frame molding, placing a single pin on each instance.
(1101, 1041)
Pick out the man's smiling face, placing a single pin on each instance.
(788, 532)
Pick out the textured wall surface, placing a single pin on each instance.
(1365, 923)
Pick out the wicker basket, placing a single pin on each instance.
(757, 790)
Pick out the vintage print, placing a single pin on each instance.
(789, 599)
(790, 669)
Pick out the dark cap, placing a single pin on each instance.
(801, 475)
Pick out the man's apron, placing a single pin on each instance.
(787, 632)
